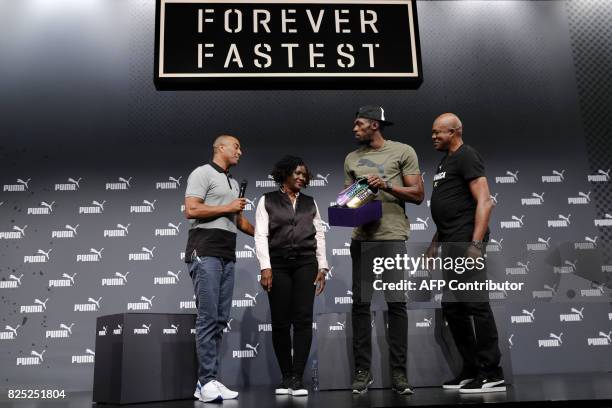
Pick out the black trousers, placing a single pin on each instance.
(361, 317)
(291, 302)
(478, 345)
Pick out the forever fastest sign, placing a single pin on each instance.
(220, 44)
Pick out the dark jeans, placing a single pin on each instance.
(291, 302)
(213, 284)
(361, 317)
(480, 353)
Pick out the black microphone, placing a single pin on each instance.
(243, 186)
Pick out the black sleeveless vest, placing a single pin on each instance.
(291, 232)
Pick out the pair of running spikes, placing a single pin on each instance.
(357, 194)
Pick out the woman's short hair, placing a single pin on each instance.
(285, 167)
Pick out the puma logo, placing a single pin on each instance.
(254, 348)
(559, 173)
(39, 355)
(24, 183)
(96, 302)
(586, 196)
(14, 330)
(124, 227)
(149, 301)
(124, 277)
(524, 265)
(18, 279)
(149, 203)
(498, 243)
(67, 328)
(95, 251)
(513, 175)
(571, 264)
(40, 302)
(323, 177)
(45, 254)
(544, 241)
(175, 275)
(65, 275)
(71, 228)
(49, 206)
(578, 312)
(530, 314)
(125, 181)
(73, 181)
(20, 230)
(175, 227)
(607, 336)
(253, 298)
(423, 221)
(554, 336)
(564, 218)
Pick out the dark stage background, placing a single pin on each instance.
(530, 81)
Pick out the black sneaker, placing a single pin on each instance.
(284, 387)
(458, 382)
(361, 381)
(400, 383)
(483, 384)
(297, 388)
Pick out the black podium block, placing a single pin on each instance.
(143, 357)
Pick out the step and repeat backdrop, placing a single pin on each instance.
(95, 162)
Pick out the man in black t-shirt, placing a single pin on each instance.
(461, 207)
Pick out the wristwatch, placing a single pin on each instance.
(478, 244)
(388, 186)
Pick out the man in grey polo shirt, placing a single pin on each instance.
(211, 201)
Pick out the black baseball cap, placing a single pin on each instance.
(373, 112)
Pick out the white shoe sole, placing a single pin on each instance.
(282, 391)
(501, 388)
(407, 391)
(457, 386)
(299, 393)
(218, 398)
(366, 388)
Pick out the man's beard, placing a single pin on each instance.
(362, 142)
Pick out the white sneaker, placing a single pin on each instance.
(210, 392)
(297, 388)
(198, 390)
(226, 393)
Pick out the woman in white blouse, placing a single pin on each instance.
(290, 246)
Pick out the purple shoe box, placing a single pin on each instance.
(354, 217)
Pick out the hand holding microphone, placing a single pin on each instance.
(238, 204)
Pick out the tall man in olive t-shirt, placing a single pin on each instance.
(393, 168)
(461, 207)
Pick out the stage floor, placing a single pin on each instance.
(594, 390)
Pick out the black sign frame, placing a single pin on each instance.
(288, 80)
